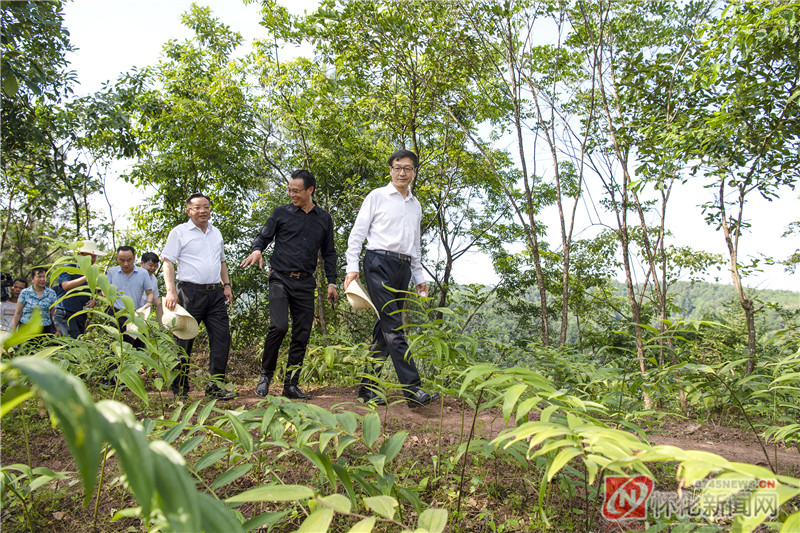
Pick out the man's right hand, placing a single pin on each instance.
(254, 257)
(350, 277)
(170, 300)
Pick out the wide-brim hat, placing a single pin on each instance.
(358, 297)
(182, 324)
(143, 312)
(89, 247)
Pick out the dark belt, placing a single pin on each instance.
(297, 275)
(200, 287)
(387, 253)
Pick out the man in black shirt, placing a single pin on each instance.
(300, 230)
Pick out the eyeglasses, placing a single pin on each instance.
(401, 170)
(201, 208)
(296, 191)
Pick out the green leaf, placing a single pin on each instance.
(434, 520)
(231, 475)
(383, 505)
(363, 526)
(133, 381)
(792, 523)
(191, 444)
(273, 493)
(10, 85)
(204, 412)
(348, 421)
(71, 405)
(124, 433)
(378, 461)
(244, 437)
(371, 428)
(391, 447)
(561, 459)
(317, 522)
(210, 458)
(339, 503)
(12, 397)
(510, 399)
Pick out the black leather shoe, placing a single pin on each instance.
(370, 396)
(262, 389)
(213, 391)
(419, 397)
(293, 392)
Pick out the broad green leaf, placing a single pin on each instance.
(339, 503)
(244, 437)
(205, 411)
(371, 428)
(561, 459)
(231, 475)
(383, 505)
(433, 520)
(72, 407)
(124, 433)
(210, 458)
(273, 493)
(12, 397)
(363, 526)
(317, 522)
(378, 461)
(191, 444)
(792, 524)
(348, 421)
(176, 489)
(215, 516)
(510, 399)
(131, 379)
(391, 447)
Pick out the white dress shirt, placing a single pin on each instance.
(388, 222)
(198, 256)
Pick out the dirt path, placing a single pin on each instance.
(731, 443)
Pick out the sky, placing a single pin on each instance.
(113, 36)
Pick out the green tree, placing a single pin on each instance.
(744, 128)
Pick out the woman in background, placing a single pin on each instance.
(9, 307)
(40, 296)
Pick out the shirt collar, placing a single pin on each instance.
(190, 225)
(295, 208)
(391, 189)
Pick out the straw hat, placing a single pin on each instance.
(180, 322)
(90, 247)
(358, 298)
(143, 312)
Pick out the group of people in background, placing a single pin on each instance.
(196, 279)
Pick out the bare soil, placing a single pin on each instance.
(449, 418)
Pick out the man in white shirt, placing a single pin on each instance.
(203, 288)
(389, 220)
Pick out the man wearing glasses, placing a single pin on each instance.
(301, 231)
(203, 289)
(389, 220)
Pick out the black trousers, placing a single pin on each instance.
(210, 308)
(70, 323)
(388, 338)
(295, 296)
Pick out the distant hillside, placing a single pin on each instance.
(695, 301)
